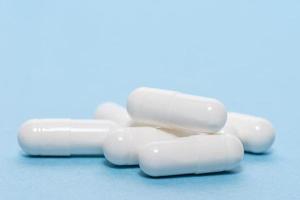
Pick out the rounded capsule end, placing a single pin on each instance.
(149, 161)
(218, 115)
(262, 139)
(134, 99)
(104, 109)
(114, 112)
(235, 151)
(27, 137)
(117, 148)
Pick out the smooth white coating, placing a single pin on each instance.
(191, 155)
(64, 137)
(114, 112)
(174, 110)
(122, 146)
(227, 129)
(257, 134)
(118, 114)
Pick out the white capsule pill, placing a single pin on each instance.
(64, 137)
(191, 155)
(114, 112)
(118, 114)
(227, 129)
(257, 134)
(174, 110)
(122, 146)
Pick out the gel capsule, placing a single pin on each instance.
(257, 134)
(191, 155)
(114, 112)
(174, 110)
(122, 146)
(227, 129)
(64, 137)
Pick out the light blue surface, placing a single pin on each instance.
(61, 58)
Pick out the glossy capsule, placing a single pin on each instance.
(118, 114)
(122, 146)
(227, 129)
(257, 134)
(191, 155)
(174, 110)
(64, 137)
(114, 112)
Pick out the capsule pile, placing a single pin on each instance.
(164, 132)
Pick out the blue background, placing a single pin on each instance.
(60, 59)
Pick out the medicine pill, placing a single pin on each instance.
(174, 110)
(64, 137)
(117, 113)
(114, 112)
(257, 134)
(227, 129)
(122, 146)
(191, 155)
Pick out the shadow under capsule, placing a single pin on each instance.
(223, 173)
(111, 165)
(24, 155)
(269, 152)
(58, 161)
(261, 158)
